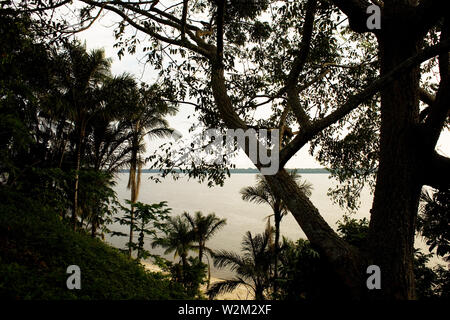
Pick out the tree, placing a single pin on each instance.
(178, 238)
(36, 107)
(148, 120)
(204, 227)
(430, 282)
(147, 219)
(24, 79)
(98, 201)
(81, 75)
(252, 267)
(310, 84)
(262, 193)
(305, 275)
(107, 146)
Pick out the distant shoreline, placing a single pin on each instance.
(243, 171)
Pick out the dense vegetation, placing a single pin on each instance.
(370, 104)
(36, 248)
(67, 126)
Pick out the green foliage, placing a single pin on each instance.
(426, 278)
(24, 66)
(204, 228)
(442, 283)
(36, 248)
(434, 220)
(191, 276)
(304, 275)
(98, 200)
(65, 119)
(177, 237)
(354, 231)
(146, 219)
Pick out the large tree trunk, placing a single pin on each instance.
(345, 259)
(396, 199)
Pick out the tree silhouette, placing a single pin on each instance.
(252, 267)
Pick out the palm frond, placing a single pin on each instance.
(225, 286)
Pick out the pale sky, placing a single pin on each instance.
(100, 35)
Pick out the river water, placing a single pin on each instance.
(189, 195)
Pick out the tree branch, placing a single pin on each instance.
(343, 257)
(439, 110)
(183, 19)
(426, 97)
(354, 101)
(298, 65)
(427, 13)
(220, 31)
(437, 172)
(355, 10)
(182, 43)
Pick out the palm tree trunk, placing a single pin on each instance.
(93, 230)
(94, 222)
(277, 249)
(131, 230)
(133, 184)
(184, 264)
(77, 178)
(183, 261)
(201, 246)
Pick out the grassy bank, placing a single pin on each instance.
(36, 248)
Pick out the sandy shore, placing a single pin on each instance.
(240, 293)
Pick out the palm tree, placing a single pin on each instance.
(147, 120)
(106, 146)
(80, 78)
(108, 143)
(252, 267)
(204, 228)
(261, 193)
(179, 239)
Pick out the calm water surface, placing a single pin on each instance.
(189, 195)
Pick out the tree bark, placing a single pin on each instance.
(397, 192)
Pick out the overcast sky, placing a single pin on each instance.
(100, 35)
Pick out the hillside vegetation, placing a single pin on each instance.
(36, 248)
